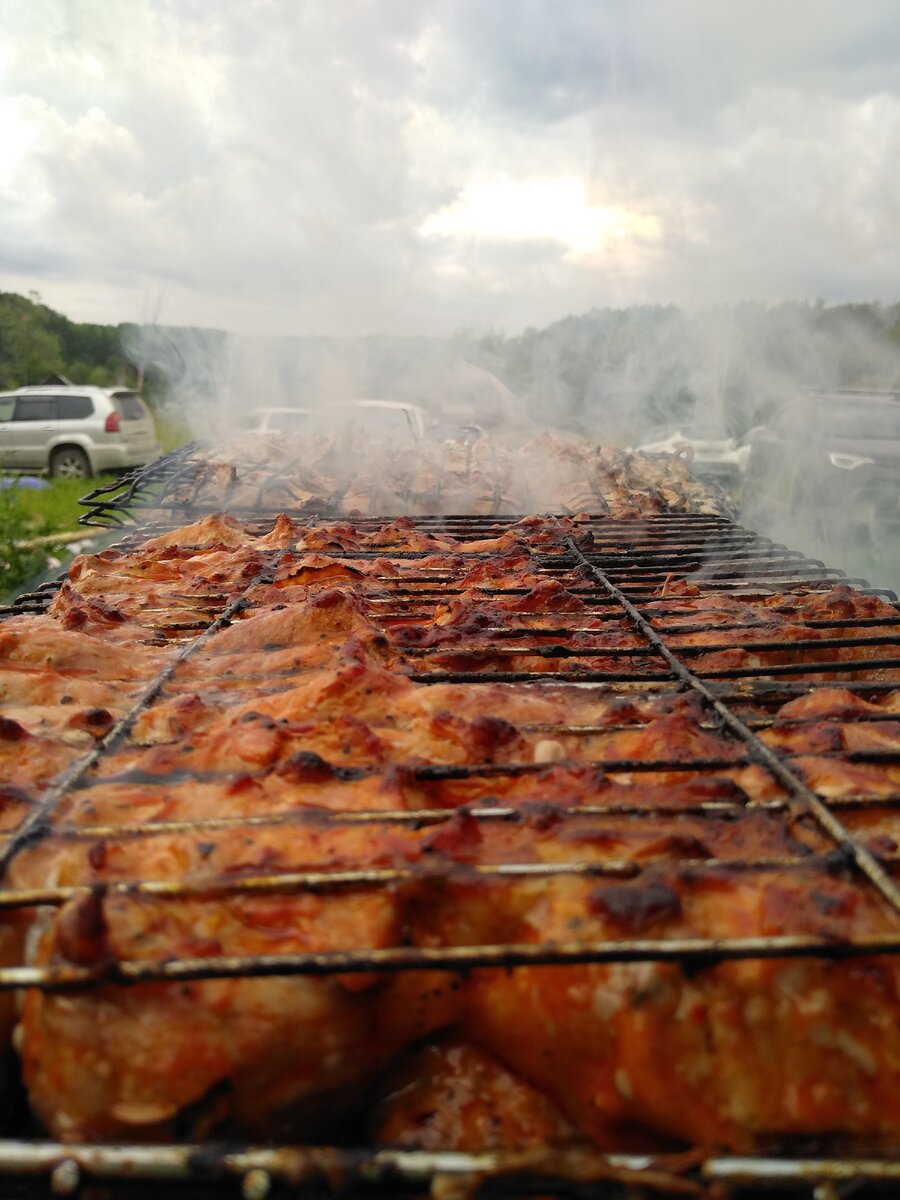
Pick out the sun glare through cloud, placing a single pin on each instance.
(16, 136)
(557, 210)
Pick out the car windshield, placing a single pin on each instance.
(379, 420)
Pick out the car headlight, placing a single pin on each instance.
(849, 462)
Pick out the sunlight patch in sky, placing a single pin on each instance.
(16, 135)
(556, 210)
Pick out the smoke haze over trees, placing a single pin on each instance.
(734, 364)
(608, 372)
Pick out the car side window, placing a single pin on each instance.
(35, 408)
(74, 408)
(7, 404)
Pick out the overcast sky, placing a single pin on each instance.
(421, 166)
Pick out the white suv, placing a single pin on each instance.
(73, 431)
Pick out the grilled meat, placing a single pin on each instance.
(732, 1055)
(686, 603)
(538, 1021)
(454, 1093)
(550, 473)
(313, 734)
(40, 642)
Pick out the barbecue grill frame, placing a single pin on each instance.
(259, 1165)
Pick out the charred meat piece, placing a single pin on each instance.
(296, 783)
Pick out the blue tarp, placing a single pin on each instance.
(25, 481)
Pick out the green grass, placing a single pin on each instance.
(18, 561)
(55, 509)
(27, 514)
(171, 431)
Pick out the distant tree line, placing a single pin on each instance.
(36, 342)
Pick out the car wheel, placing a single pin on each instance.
(70, 463)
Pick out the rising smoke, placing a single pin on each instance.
(750, 372)
(607, 376)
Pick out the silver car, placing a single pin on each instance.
(74, 432)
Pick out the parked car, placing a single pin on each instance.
(278, 420)
(380, 418)
(74, 432)
(835, 454)
(455, 423)
(714, 455)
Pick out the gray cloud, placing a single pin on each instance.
(690, 57)
(272, 165)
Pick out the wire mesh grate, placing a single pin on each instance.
(737, 704)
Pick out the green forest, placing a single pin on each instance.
(36, 342)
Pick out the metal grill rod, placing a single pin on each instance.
(289, 883)
(295, 1166)
(414, 817)
(863, 858)
(688, 952)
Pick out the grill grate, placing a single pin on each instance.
(113, 505)
(257, 479)
(761, 753)
(625, 573)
